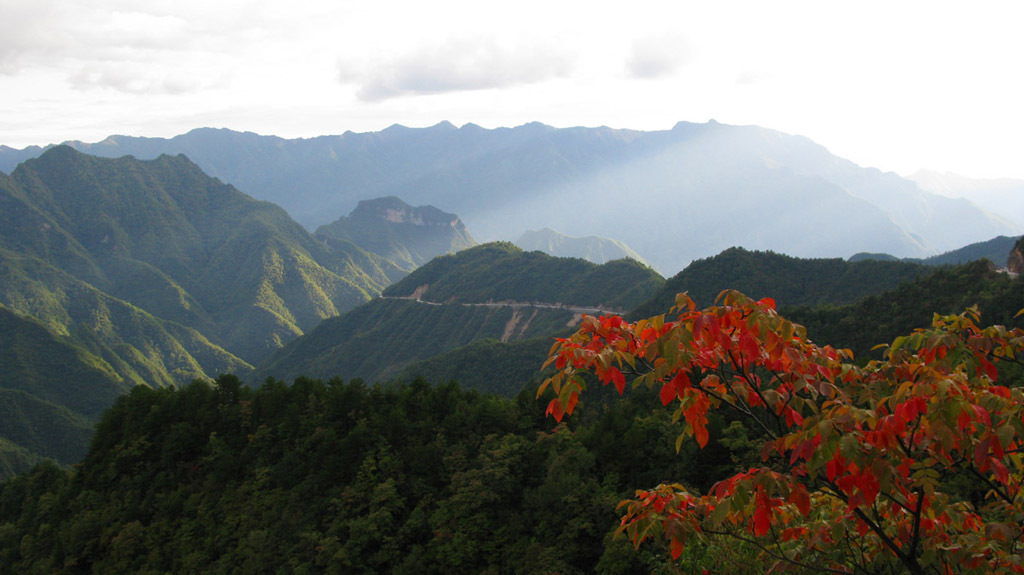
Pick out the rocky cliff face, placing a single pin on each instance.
(1015, 263)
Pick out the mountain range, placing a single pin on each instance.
(122, 272)
(673, 196)
(119, 272)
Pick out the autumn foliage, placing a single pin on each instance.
(911, 463)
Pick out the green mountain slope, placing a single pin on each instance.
(51, 392)
(168, 239)
(903, 296)
(407, 236)
(492, 291)
(53, 368)
(140, 347)
(43, 428)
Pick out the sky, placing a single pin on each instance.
(897, 85)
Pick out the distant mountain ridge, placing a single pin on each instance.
(706, 186)
(1002, 196)
(594, 249)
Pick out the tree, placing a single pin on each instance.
(864, 466)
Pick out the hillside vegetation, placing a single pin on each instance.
(494, 291)
(878, 318)
(343, 478)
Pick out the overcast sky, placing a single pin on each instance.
(896, 85)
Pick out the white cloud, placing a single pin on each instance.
(658, 56)
(879, 82)
(132, 47)
(456, 66)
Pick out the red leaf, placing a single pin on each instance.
(668, 393)
(617, 379)
(677, 548)
(555, 410)
(990, 369)
(574, 398)
(762, 516)
(701, 433)
(799, 497)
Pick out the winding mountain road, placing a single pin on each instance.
(589, 310)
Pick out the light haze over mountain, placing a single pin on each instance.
(673, 196)
(1000, 196)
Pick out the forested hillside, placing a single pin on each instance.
(502, 272)
(343, 478)
(164, 237)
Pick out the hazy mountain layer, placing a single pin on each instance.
(591, 248)
(999, 196)
(673, 196)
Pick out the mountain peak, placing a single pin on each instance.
(392, 209)
(408, 236)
